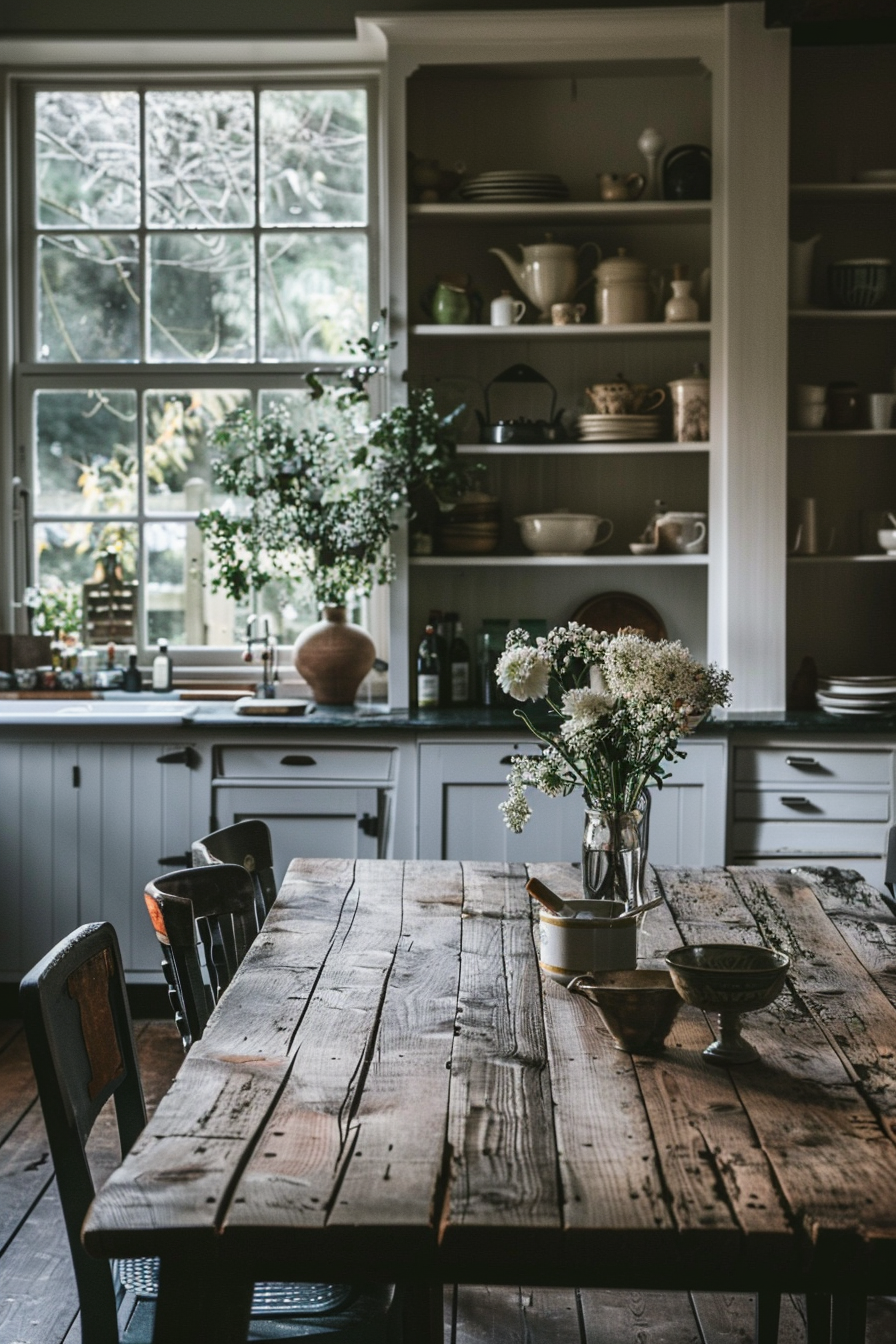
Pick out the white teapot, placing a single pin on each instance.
(548, 272)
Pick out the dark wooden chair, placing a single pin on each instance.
(890, 872)
(247, 843)
(81, 1039)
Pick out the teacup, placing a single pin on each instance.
(886, 539)
(681, 533)
(567, 314)
(622, 398)
(615, 187)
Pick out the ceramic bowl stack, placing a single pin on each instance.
(594, 428)
(512, 185)
(857, 697)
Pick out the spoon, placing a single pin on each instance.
(549, 899)
(892, 518)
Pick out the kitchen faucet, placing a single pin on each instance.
(267, 687)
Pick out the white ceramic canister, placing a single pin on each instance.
(690, 407)
(589, 940)
(506, 311)
(626, 290)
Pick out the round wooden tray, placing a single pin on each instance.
(614, 611)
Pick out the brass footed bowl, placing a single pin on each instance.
(728, 979)
(638, 1007)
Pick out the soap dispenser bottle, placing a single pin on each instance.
(132, 680)
(162, 669)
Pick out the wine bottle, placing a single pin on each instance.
(459, 660)
(428, 671)
(133, 681)
(162, 668)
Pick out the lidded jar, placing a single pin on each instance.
(626, 291)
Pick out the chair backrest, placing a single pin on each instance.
(249, 844)
(79, 1030)
(890, 870)
(206, 921)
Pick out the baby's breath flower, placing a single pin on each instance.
(585, 708)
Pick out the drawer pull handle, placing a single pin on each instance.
(526, 756)
(801, 762)
(298, 760)
(795, 800)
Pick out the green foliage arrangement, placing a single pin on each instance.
(321, 502)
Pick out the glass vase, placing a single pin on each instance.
(614, 854)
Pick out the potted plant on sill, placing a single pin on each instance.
(322, 503)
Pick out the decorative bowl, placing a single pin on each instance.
(561, 533)
(859, 283)
(886, 539)
(728, 979)
(638, 1007)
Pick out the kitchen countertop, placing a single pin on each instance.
(171, 712)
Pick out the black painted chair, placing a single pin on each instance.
(890, 872)
(81, 1038)
(247, 843)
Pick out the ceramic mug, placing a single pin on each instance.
(843, 405)
(506, 311)
(615, 187)
(880, 409)
(681, 533)
(567, 314)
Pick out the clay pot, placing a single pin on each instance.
(334, 656)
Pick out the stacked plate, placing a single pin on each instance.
(857, 696)
(618, 428)
(513, 185)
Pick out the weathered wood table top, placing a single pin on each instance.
(389, 1088)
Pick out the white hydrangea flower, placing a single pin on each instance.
(523, 673)
(584, 709)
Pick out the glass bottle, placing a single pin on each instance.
(459, 662)
(428, 671)
(133, 681)
(162, 668)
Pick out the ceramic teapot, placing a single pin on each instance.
(548, 272)
(624, 398)
(627, 290)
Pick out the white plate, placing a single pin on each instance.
(848, 703)
(866, 687)
(877, 175)
(841, 710)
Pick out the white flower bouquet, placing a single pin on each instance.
(621, 702)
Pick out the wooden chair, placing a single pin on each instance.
(249, 844)
(81, 1039)
(206, 921)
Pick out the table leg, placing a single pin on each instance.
(848, 1319)
(768, 1315)
(198, 1300)
(421, 1313)
(818, 1318)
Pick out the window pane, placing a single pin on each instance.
(70, 552)
(313, 294)
(86, 452)
(301, 411)
(181, 606)
(89, 297)
(290, 606)
(314, 156)
(87, 159)
(200, 158)
(179, 429)
(202, 304)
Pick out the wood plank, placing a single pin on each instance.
(858, 911)
(39, 1300)
(729, 1318)
(502, 1315)
(638, 1318)
(9, 1029)
(834, 1166)
(500, 1123)
(232, 1077)
(25, 1173)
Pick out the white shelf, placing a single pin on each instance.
(542, 561)
(850, 191)
(569, 212)
(881, 558)
(582, 449)
(841, 433)
(545, 331)
(844, 313)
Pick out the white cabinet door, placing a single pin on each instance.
(462, 784)
(314, 823)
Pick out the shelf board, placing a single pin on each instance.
(582, 449)
(842, 313)
(545, 331)
(540, 561)
(841, 433)
(849, 191)
(569, 212)
(881, 558)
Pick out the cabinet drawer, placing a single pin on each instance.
(303, 762)
(834, 838)
(786, 765)
(811, 805)
(472, 762)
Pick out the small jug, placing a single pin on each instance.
(615, 187)
(506, 310)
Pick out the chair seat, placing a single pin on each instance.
(141, 1277)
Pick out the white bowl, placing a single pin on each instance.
(886, 539)
(642, 547)
(560, 533)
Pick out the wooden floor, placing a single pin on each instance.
(39, 1305)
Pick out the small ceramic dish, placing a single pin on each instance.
(886, 539)
(638, 1007)
(642, 547)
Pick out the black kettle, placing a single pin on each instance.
(687, 174)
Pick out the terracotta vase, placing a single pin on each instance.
(334, 656)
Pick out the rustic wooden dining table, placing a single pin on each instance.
(389, 1090)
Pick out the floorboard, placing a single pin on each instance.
(38, 1302)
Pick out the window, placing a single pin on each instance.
(186, 250)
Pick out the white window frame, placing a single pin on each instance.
(27, 375)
